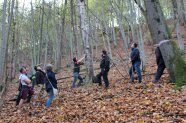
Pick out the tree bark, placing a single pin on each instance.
(59, 57)
(73, 24)
(41, 31)
(3, 51)
(177, 22)
(155, 21)
(122, 31)
(86, 45)
(166, 48)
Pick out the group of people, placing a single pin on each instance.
(135, 67)
(136, 62)
(41, 78)
(32, 86)
(104, 65)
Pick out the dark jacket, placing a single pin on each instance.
(135, 55)
(105, 62)
(40, 77)
(52, 79)
(159, 57)
(77, 67)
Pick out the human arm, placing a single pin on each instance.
(81, 59)
(26, 80)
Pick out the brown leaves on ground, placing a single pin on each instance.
(122, 102)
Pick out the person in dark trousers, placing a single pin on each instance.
(161, 65)
(136, 62)
(76, 71)
(50, 79)
(20, 87)
(105, 67)
(38, 81)
(26, 88)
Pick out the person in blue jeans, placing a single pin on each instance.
(136, 62)
(50, 77)
(76, 71)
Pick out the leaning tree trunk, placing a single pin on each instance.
(155, 21)
(159, 33)
(86, 45)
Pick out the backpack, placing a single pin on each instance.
(40, 77)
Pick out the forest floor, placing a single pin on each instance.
(122, 102)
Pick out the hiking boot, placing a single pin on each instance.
(131, 81)
(107, 87)
(155, 81)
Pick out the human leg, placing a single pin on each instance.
(138, 70)
(50, 98)
(98, 76)
(131, 74)
(105, 79)
(23, 97)
(75, 77)
(160, 69)
(80, 80)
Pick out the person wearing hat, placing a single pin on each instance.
(49, 84)
(105, 67)
(161, 64)
(76, 71)
(136, 62)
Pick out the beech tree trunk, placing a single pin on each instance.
(86, 45)
(155, 21)
(3, 53)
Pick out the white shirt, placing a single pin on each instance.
(23, 77)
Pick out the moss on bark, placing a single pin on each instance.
(180, 67)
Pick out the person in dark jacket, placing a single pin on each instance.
(76, 71)
(136, 62)
(38, 81)
(38, 77)
(105, 67)
(50, 79)
(161, 65)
